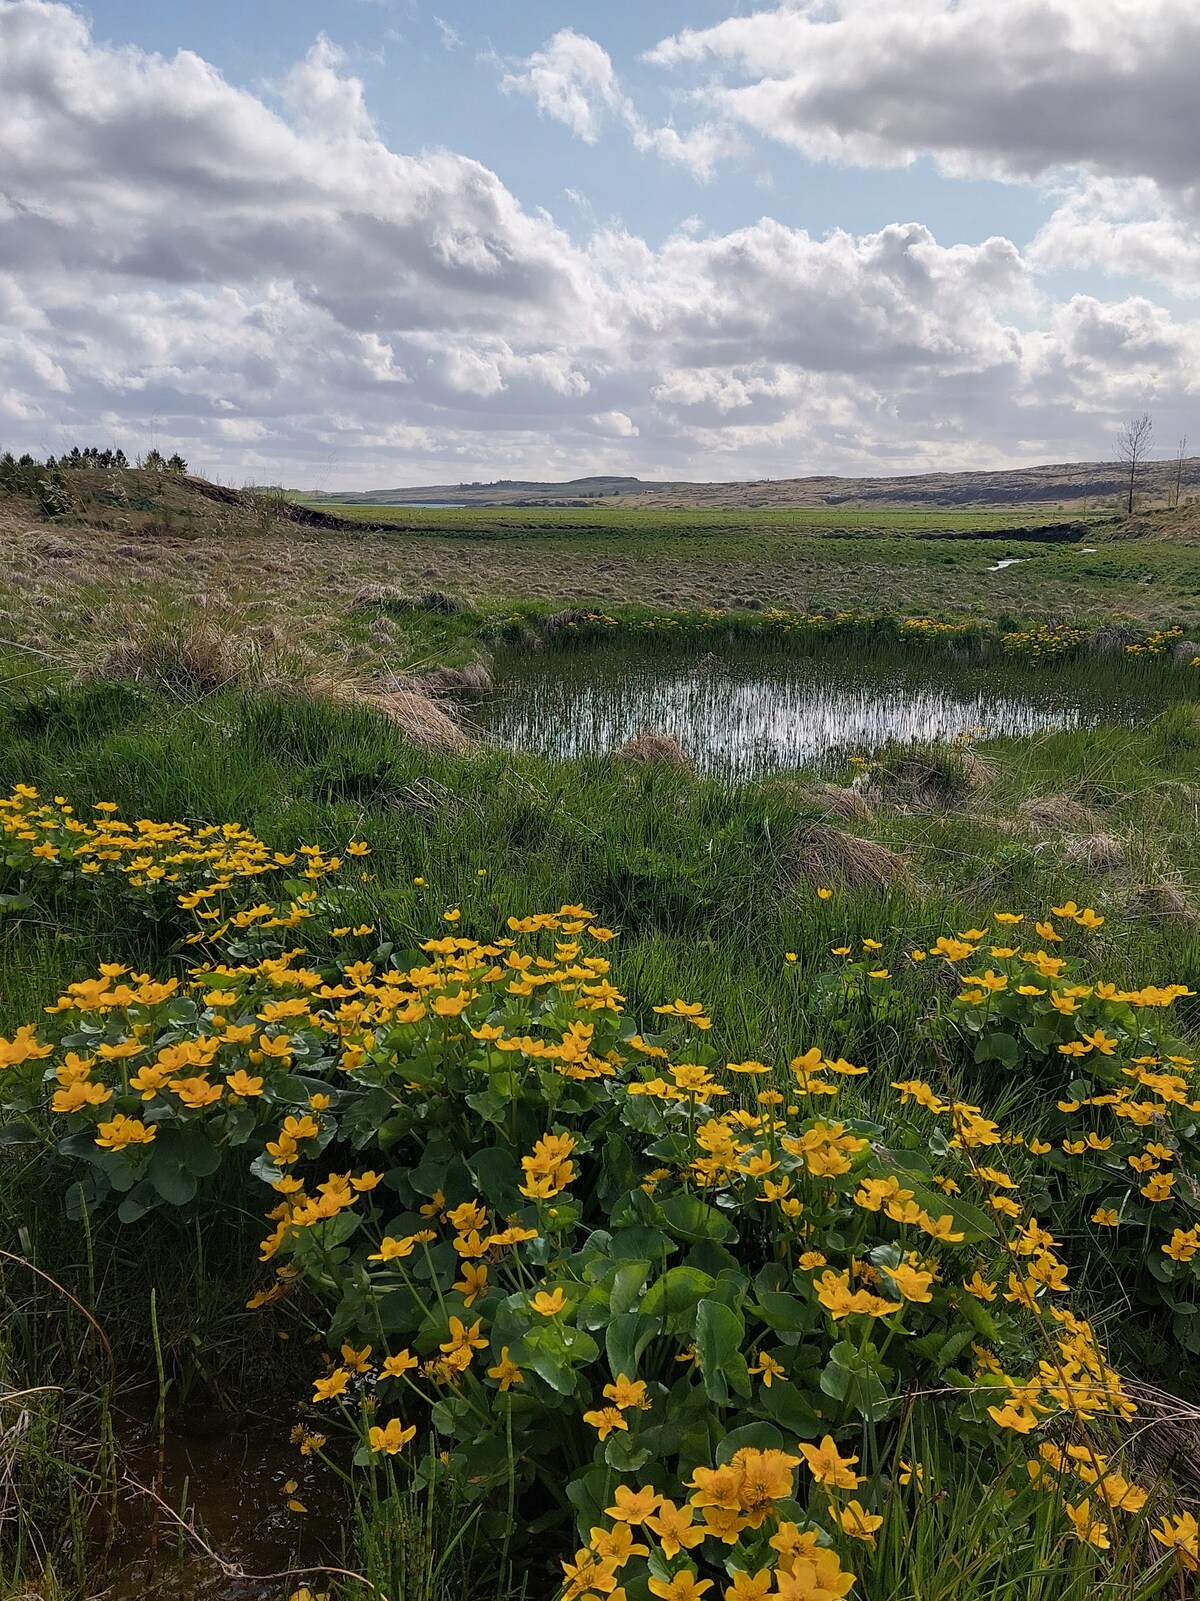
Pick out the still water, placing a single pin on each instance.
(743, 713)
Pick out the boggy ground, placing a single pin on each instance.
(139, 546)
(716, 892)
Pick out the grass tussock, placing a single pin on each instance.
(654, 749)
(386, 598)
(1096, 853)
(188, 661)
(419, 717)
(819, 856)
(1061, 813)
(1163, 900)
(925, 779)
(470, 682)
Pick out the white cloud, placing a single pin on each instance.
(276, 286)
(1124, 226)
(450, 36)
(1019, 87)
(572, 80)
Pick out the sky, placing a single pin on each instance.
(393, 242)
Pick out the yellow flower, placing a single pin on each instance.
(506, 1371)
(392, 1249)
(1089, 1530)
(605, 1419)
(1106, 1217)
(123, 1131)
(624, 1393)
(78, 1095)
(913, 1283)
(749, 1586)
(828, 1466)
(197, 1092)
(1182, 1535)
(463, 1338)
(473, 1283)
(243, 1083)
(395, 1367)
(547, 1304)
(770, 1370)
(633, 1506)
(325, 1389)
(391, 1438)
(685, 1586)
(675, 1528)
(857, 1522)
(616, 1545)
(1158, 1188)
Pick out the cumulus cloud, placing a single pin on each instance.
(270, 285)
(1124, 226)
(572, 80)
(1019, 87)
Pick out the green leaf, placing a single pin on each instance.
(998, 1047)
(675, 1293)
(625, 1455)
(631, 1244)
(720, 1333)
(497, 1176)
(790, 1407)
(628, 1284)
(626, 1338)
(785, 1314)
(690, 1218)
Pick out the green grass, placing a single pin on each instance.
(700, 876)
(706, 880)
(653, 524)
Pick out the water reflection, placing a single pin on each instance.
(744, 714)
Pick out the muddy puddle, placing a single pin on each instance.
(259, 1507)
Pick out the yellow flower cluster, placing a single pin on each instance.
(194, 866)
(1044, 641)
(745, 1493)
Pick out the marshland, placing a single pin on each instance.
(596, 1054)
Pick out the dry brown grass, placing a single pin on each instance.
(1097, 853)
(651, 749)
(1060, 812)
(1163, 900)
(464, 683)
(822, 856)
(189, 661)
(419, 718)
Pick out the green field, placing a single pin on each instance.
(202, 664)
(665, 522)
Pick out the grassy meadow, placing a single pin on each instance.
(480, 1175)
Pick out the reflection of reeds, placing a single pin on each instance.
(743, 713)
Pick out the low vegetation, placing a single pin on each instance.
(601, 1179)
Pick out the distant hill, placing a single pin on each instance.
(504, 492)
(1075, 485)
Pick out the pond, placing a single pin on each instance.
(745, 712)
